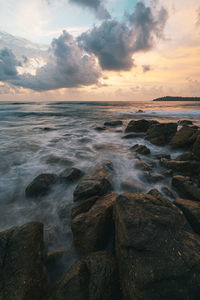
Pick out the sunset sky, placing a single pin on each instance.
(98, 49)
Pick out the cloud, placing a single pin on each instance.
(8, 65)
(67, 66)
(146, 68)
(114, 43)
(198, 16)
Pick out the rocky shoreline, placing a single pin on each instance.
(130, 246)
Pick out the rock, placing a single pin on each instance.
(183, 138)
(131, 186)
(167, 173)
(196, 147)
(185, 122)
(186, 156)
(191, 210)
(157, 252)
(22, 272)
(140, 165)
(185, 167)
(98, 128)
(186, 188)
(141, 149)
(71, 175)
(41, 185)
(84, 206)
(94, 277)
(161, 134)
(139, 111)
(163, 155)
(151, 177)
(133, 136)
(97, 182)
(92, 228)
(140, 125)
(167, 192)
(114, 123)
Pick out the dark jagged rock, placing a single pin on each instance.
(196, 147)
(191, 210)
(71, 175)
(91, 278)
(140, 165)
(22, 273)
(186, 188)
(161, 134)
(163, 155)
(167, 192)
(131, 186)
(185, 167)
(157, 252)
(97, 182)
(151, 177)
(140, 149)
(99, 128)
(183, 138)
(185, 122)
(133, 136)
(114, 123)
(186, 156)
(41, 185)
(140, 125)
(93, 225)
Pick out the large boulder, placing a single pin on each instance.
(93, 225)
(186, 188)
(161, 134)
(183, 138)
(196, 147)
(41, 185)
(94, 277)
(140, 149)
(185, 167)
(158, 254)
(97, 182)
(70, 175)
(22, 273)
(191, 210)
(139, 126)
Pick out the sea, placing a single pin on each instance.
(49, 137)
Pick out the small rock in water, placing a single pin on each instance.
(41, 185)
(141, 149)
(100, 128)
(140, 165)
(185, 167)
(133, 136)
(139, 111)
(71, 175)
(163, 155)
(114, 123)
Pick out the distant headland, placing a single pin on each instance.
(170, 98)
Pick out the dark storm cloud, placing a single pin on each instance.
(8, 65)
(67, 66)
(114, 43)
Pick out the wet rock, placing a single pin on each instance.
(186, 188)
(131, 186)
(185, 122)
(92, 227)
(114, 123)
(161, 134)
(98, 181)
(163, 155)
(152, 177)
(133, 136)
(53, 159)
(140, 165)
(167, 192)
(185, 167)
(183, 138)
(140, 149)
(167, 173)
(22, 272)
(99, 128)
(140, 125)
(71, 175)
(91, 278)
(186, 156)
(41, 185)
(191, 210)
(196, 147)
(157, 252)
(139, 111)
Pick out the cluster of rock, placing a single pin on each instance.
(130, 246)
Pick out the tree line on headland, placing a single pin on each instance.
(171, 98)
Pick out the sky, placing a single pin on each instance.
(98, 49)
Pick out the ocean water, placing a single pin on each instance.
(49, 137)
